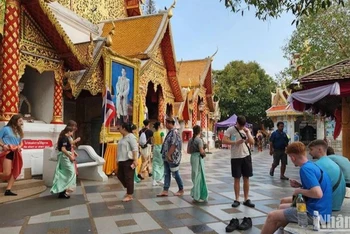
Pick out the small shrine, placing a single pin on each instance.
(298, 125)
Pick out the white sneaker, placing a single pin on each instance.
(154, 183)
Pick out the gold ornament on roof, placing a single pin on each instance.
(170, 11)
(109, 41)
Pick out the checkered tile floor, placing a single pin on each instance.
(97, 208)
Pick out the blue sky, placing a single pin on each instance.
(200, 26)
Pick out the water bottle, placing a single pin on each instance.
(301, 209)
(316, 221)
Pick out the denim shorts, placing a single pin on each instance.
(291, 216)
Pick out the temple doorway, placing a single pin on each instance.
(169, 110)
(152, 102)
(86, 110)
(36, 93)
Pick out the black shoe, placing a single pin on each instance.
(140, 177)
(63, 195)
(284, 178)
(246, 224)
(233, 225)
(249, 203)
(271, 171)
(150, 175)
(9, 193)
(235, 203)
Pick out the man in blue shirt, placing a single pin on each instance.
(318, 151)
(315, 185)
(342, 162)
(278, 143)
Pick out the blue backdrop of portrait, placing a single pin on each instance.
(116, 72)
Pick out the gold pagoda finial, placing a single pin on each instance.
(90, 50)
(212, 57)
(111, 33)
(170, 11)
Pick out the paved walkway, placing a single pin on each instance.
(97, 208)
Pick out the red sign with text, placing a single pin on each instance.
(36, 144)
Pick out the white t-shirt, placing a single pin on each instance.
(237, 151)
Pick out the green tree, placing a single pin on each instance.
(244, 89)
(150, 7)
(273, 8)
(322, 39)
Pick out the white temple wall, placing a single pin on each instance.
(39, 90)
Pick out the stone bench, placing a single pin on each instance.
(88, 162)
(343, 214)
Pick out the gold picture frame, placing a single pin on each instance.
(122, 76)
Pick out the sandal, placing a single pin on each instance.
(179, 193)
(162, 194)
(127, 199)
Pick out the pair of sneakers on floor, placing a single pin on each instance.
(234, 224)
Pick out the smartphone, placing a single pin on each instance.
(132, 166)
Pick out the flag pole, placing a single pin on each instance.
(104, 119)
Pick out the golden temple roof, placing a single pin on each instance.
(134, 36)
(191, 73)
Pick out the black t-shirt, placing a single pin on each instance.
(64, 141)
(149, 134)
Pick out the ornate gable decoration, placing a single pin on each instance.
(158, 57)
(97, 11)
(33, 40)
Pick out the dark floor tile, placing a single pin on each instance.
(36, 228)
(200, 228)
(103, 188)
(200, 215)
(80, 226)
(99, 209)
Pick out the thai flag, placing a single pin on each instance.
(108, 108)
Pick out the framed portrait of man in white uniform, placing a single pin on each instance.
(122, 77)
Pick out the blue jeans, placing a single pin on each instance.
(167, 177)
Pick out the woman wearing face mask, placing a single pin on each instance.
(127, 160)
(11, 161)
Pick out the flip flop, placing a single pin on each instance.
(127, 199)
(179, 193)
(162, 195)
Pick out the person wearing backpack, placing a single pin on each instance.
(145, 142)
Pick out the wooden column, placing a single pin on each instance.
(194, 112)
(204, 116)
(57, 117)
(346, 126)
(10, 61)
(161, 107)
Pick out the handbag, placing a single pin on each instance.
(130, 152)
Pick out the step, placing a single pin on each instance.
(23, 193)
(22, 184)
(24, 189)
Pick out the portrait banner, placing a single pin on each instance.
(122, 79)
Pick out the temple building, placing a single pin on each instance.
(199, 108)
(58, 58)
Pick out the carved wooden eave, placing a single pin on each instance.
(198, 74)
(182, 108)
(92, 77)
(282, 110)
(164, 41)
(40, 11)
(36, 50)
